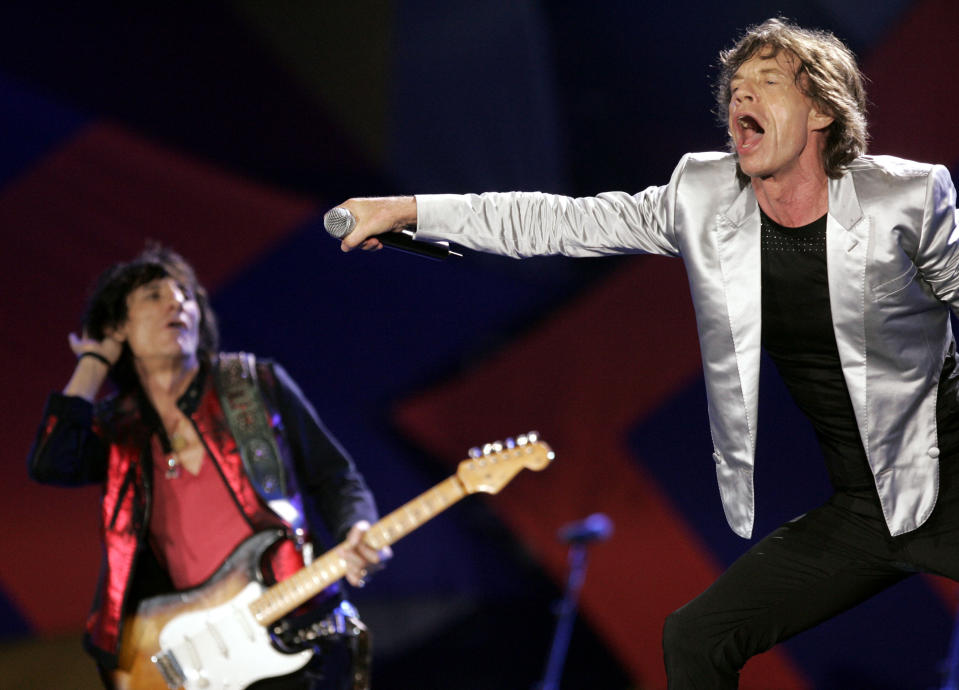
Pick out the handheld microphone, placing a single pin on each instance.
(339, 222)
(596, 527)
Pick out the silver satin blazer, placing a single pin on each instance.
(892, 256)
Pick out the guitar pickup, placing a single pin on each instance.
(170, 669)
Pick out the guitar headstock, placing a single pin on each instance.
(490, 468)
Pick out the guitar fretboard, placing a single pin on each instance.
(285, 596)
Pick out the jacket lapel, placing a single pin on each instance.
(738, 243)
(847, 243)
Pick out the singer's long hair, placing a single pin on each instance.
(107, 306)
(827, 73)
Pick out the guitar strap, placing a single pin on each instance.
(262, 445)
(268, 464)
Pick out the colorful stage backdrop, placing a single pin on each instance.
(226, 130)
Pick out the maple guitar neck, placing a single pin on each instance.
(487, 473)
(285, 596)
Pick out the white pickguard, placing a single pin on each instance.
(224, 648)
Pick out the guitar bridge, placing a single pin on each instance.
(170, 669)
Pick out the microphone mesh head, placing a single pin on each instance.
(339, 222)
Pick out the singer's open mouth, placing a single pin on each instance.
(749, 132)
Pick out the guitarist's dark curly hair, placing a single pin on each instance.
(107, 306)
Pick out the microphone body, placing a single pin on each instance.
(339, 222)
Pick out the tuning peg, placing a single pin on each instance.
(533, 436)
(487, 448)
(510, 443)
(497, 446)
(475, 452)
(521, 440)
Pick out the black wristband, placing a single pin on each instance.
(97, 356)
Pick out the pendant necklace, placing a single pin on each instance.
(178, 442)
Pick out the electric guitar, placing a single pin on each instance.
(216, 636)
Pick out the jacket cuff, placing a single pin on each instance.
(69, 407)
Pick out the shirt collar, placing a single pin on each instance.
(190, 400)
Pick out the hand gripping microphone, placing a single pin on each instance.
(339, 222)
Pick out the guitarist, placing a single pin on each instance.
(179, 496)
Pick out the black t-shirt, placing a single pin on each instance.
(797, 332)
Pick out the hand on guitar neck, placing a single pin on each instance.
(362, 560)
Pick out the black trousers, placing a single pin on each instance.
(330, 669)
(805, 572)
(341, 646)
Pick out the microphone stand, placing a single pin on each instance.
(579, 536)
(951, 671)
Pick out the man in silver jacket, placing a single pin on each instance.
(879, 232)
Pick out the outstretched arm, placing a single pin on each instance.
(522, 224)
